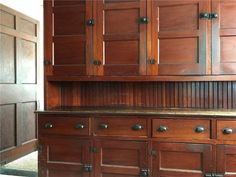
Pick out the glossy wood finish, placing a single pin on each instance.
(120, 158)
(64, 157)
(121, 126)
(205, 95)
(18, 84)
(226, 161)
(119, 38)
(177, 128)
(224, 36)
(179, 42)
(62, 125)
(179, 159)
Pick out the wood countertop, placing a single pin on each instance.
(140, 111)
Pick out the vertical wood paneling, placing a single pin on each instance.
(205, 95)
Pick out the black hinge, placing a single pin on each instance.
(40, 149)
(93, 149)
(153, 152)
(47, 62)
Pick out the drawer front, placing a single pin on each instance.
(123, 126)
(226, 130)
(181, 128)
(64, 125)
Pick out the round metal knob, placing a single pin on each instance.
(48, 125)
(162, 128)
(137, 127)
(214, 15)
(79, 126)
(199, 129)
(103, 126)
(227, 131)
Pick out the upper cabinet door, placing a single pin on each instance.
(179, 37)
(224, 37)
(120, 37)
(72, 37)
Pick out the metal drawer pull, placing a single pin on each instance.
(162, 128)
(87, 168)
(79, 126)
(137, 127)
(199, 129)
(48, 125)
(103, 126)
(227, 131)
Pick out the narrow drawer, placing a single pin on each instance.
(226, 130)
(120, 126)
(64, 125)
(181, 128)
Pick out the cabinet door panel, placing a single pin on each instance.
(64, 157)
(224, 37)
(226, 160)
(119, 38)
(72, 38)
(181, 159)
(178, 38)
(120, 158)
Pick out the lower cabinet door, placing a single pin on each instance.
(181, 160)
(65, 157)
(226, 160)
(117, 158)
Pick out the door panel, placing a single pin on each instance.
(181, 159)
(64, 157)
(120, 158)
(178, 38)
(119, 38)
(226, 160)
(72, 38)
(18, 84)
(224, 37)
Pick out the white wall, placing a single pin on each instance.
(33, 9)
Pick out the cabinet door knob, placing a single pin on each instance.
(208, 175)
(199, 129)
(79, 126)
(227, 131)
(90, 22)
(204, 15)
(162, 128)
(137, 127)
(219, 175)
(87, 168)
(144, 172)
(48, 125)
(143, 20)
(214, 15)
(103, 126)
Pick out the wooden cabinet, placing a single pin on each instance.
(121, 158)
(189, 43)
(139, 37)
(181, 159)
(64, 157)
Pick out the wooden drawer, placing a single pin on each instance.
(120, 126)
(181, 128)
(226, 130)
(64, 125)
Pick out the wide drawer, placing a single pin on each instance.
(181, 128)
(120, 126)
(64, 125)
(226, 130)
